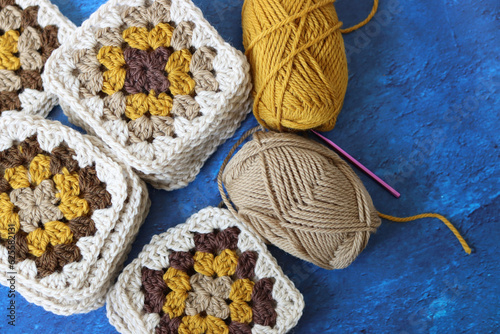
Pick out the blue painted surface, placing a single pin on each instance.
(422, 111)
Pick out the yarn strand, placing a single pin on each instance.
(364, 22)
(457, 234)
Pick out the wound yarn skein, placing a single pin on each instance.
(300, 196)
(298, 60)
(292, 191)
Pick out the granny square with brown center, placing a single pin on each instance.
(156, 82)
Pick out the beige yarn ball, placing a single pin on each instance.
(302, 197)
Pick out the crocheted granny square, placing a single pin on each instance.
(209, 275)
(68, 214)
(156, 82)
(30, 30)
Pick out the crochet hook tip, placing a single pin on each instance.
(347, 156)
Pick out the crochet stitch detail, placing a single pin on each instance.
(210, 289)
(48, 201)
(24, 49)
(156, 82)
(147, 65)
(236, 286)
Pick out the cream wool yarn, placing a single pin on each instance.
(32, 29)
(155, 81)
(74, 210)
(211, 265)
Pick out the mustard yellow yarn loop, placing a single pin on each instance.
(137, 37)
(196, 324)
(175, 303)
(160, 36)
(177, 280)
(241, 312)
(457, 234)
(17, 177)
(40, 169)
(9, 220)
(364, 22)
(113, 59)
(143, 39)
(242, 290)
(225, 263)
(204, 263)
(298, 61)
(8, 46)
(54, 233)
(138, 104)
(177, 68)
(68, 185)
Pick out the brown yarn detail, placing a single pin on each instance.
(228, 238)
(263, 303)
(31, 79)
(82, 226)
(146, 70)
(246, 265)
(205, 243)
(181, 261)
(62, 156)
(50, 42)
(5, 3)
(300, 196)
(213, 242)
(168, 326)
(29, 17)
(239, 328)
(9, 101)
(155, 290)
(92, 189)
(21, 252)
(21, 154)
(4, 186)
(55, 258)
(37, 203)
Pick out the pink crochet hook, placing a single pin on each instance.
(358, 164)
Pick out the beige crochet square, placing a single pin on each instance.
(30, 30)
(156, 82)
(209, 275)
(69, 213)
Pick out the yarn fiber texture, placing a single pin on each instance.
(69, 208)
(156, 82)
(30, 31)
(209, 275)
(298, 61)
(302, 197)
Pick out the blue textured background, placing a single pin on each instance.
(422, 111)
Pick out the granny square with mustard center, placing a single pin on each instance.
(156, 82)
(30, 30)
(68, 213)
(210, 275)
